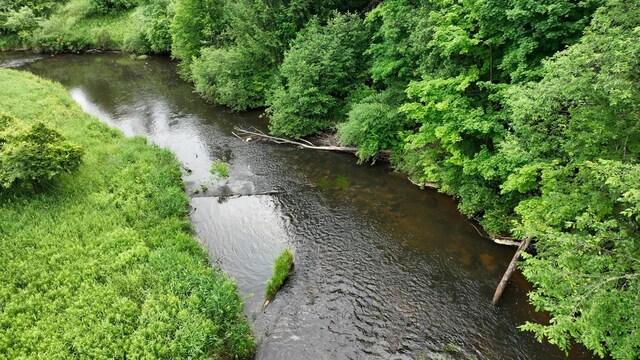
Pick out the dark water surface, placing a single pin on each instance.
(384, 270)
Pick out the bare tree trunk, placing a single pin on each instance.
(248, 135)
(507, 275)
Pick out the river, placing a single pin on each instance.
(383, 269)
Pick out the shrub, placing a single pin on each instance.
(232, 77)
(56, 34)
(33, 153)
(21, 22)
(282, 269)
(135, 40)
(156, 19)
(108, 6)
(151, 28)
(374, 124)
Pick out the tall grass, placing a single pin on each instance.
(282, 269)
(102, 264)
(74, 26)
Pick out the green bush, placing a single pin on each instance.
(230, 77)
(282, 269)
(323, 67)
(33, 153)
(109, 6)
(374, 124)
(57, 34)
(135, 40)
(150, 32)
(21, 23)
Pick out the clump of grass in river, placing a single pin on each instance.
(220, 169)
(282, 269)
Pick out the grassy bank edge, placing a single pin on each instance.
(103, 264)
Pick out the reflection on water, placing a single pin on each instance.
(383, 270)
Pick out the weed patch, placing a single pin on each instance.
(282, 268)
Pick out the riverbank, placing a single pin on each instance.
(102, 264)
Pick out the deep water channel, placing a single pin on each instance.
(384, 270)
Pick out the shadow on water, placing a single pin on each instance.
(384, 270)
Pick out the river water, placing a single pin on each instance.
(383, 269)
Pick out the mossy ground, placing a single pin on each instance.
(102, 263)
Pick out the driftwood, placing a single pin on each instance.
(236, 195)
(248, 135)
(512, 266)
(506, 241)
(425, 184)
(498, 239)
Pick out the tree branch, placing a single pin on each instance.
(248, 135)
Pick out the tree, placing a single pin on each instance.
(240, 70)
(196, 24)
(586, 271)
(324, 66)
(575, 147)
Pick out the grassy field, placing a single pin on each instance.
(102, 264)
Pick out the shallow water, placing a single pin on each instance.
(383, 269)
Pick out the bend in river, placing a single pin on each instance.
(384, 270)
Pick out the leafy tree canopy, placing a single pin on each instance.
(319, 73)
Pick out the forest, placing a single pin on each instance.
(527, 112)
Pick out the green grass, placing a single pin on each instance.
(282, 269)
(220, 169)
(102, 264)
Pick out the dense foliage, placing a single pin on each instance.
(323, 67)
(525, 110)
(102, 265)
(580, 169)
